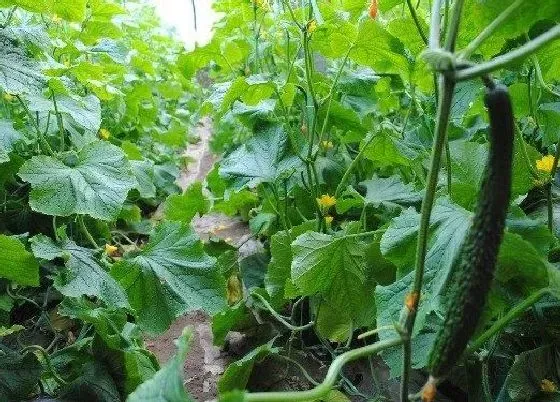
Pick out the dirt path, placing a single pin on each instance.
(205, 363)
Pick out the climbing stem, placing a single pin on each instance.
(351, 167)
(446, 88)
(281, 319)
(331, 93)
(489, 30)
(510, 57)
(86, 233)
(326, 386)
(550, 212)
(47, 359)
(506, 320)
(40, 135)
(416, 21)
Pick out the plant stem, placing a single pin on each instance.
(350, 168)
(365, 234)
(59, 122)
(416, 21)
(281, 319)
(331, 93)
(42, 139)
(326, 386)
(510, 57)
(446, 88)
(86, 233)
(505, 320)
(489, 30)
(540, 77)
(453, 27)
(550, 211)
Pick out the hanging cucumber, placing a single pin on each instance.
(473, 270)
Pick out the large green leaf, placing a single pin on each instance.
(70, 10)
(18, 73)
(19, 374)
(183, 207)
(448, 228)
(263, 159)
(335, 268)
(85, 113)
(477, 14)
(95, 181)
(375, 47)
(169, 276)
(389, 191)
(143, 171)
(167, 384)
(279, 268)
(237, 374)
(16, 263)
(84, 275)
(530, 368)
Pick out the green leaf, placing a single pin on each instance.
(39, 6)
(84, 113)
(5, 331)
(144, 173)
(389, 191)
(335, 268)
(375, 47)
(477, 14)
(262, 159)
(333, 322)
(167, 384)
(279, 268)
(18, 73)
(84, 276)
(95, 182)
(19, 374)
(523, 381)
(514, 258)
(226, 320)
(448, 228)
(16, 263)
(94, 384)
(169, 276)
(383, 150)
(185, 206)
(70, 10)
(237, 374)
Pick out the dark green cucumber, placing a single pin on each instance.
(473, 270)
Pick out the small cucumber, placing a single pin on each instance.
(473, 269)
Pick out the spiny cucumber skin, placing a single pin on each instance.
(473, 270)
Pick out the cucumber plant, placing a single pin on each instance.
(352, 137)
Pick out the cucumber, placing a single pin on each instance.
(473, 269)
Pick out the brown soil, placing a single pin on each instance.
(205, 363)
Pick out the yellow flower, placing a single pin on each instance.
(8, 97)
(110, 250)
(327, 144)
(326, 201)
(228, 239)
(311, 26)
(548, 386)
(56, 19)
(329, 219)
(104, 134)
(545, 163)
